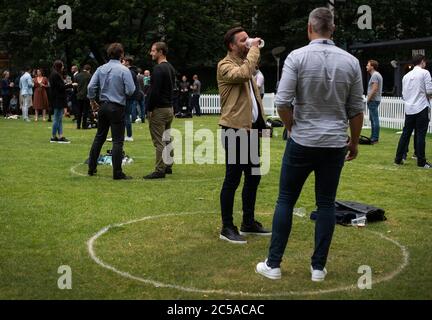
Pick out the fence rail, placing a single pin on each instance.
(391, 109)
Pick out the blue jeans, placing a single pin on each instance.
(130, 106)
(374, 119)
(58, 122)
(298, 162)
(141, 105)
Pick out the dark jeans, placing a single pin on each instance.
(195, 104)
(130, 106)
(185, 101)
(141, 105)
(83, 113)
(110, 115)
(233, 175)
(374, 119)
(298, 162)
(418, 122)
(6, 104)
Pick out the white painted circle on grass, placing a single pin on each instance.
(157, 284)
(74, 171)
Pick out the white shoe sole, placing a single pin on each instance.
(320, 279)
(317, 279)
(63, 142)
(222, 237)
(268, 276)
(255, 234)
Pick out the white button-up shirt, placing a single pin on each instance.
(416, 86)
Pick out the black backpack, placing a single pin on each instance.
(348, 210)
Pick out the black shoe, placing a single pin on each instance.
(399, 163)
(155, 175)
(63, 140)
(254, 228)
(123, 177)
(168, 170)
(54, 140)
(92, 172)
(232, 235)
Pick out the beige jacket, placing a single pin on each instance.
(233, 76)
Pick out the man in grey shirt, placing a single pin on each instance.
(112, 82)
(374, 98)
(196, 92)
(320, 94)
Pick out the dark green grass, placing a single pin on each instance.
(48, 214)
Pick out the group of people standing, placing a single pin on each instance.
(416, 93)
(32, 92)
(189, 96)
(110, 92)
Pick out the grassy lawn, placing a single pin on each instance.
(49, 210)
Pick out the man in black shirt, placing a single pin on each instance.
(160, 107)
(83, 103)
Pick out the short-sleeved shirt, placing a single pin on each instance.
(376, 78)
(197, 87)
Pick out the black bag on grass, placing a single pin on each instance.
(348, 210)
(365, 140)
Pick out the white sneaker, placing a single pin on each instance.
(138, 120)
(130, 139)
(109, 139)
(427, 166)
(272, 273)
(318, 275)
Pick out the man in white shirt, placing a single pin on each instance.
(416, 91)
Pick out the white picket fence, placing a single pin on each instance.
(391, 110)
(210, 104)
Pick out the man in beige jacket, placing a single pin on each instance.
(242, 117)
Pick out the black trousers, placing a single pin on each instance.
(82, 113)
(418, 122)
(185, 101)
(6, 103)
(195, 104)
(110, 115)
(235, 167)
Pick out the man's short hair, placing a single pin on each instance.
(129, 59)
(322, 21)
(374, 64)
(418, 58)
(87, 67)
(230, 36)
(115, 51)
(161, 46)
